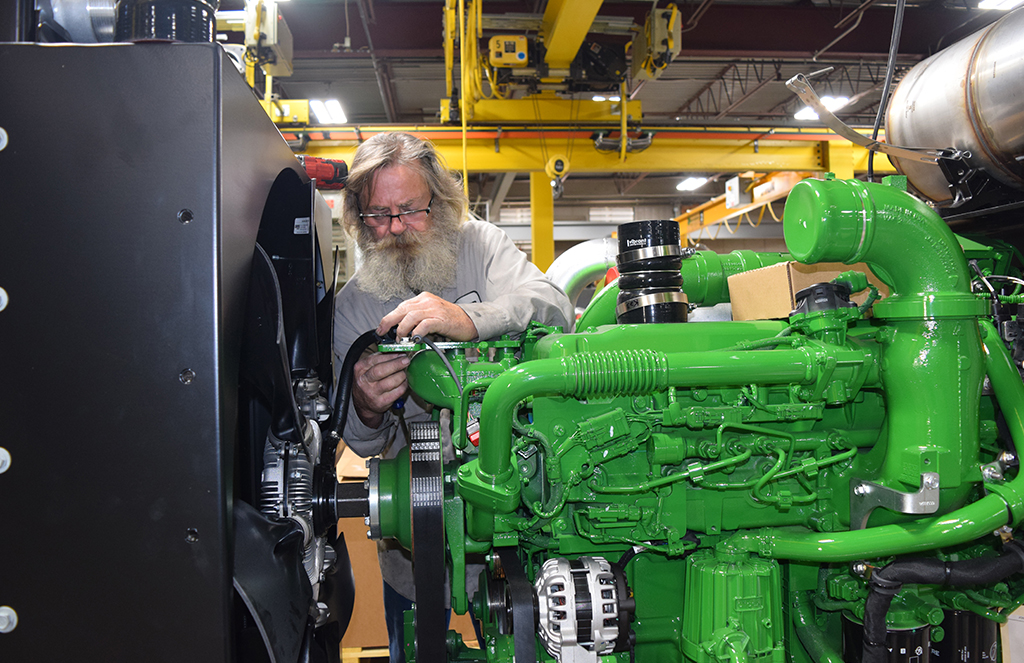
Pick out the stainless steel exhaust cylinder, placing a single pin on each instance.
(967, 96)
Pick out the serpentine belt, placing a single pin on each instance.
(428, 555)
(524, 621)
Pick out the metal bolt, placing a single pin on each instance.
(931, 482)
(366, 520)
(368, 534)
(3, 139)
(8, 619)
(992, 473)
(366, 484)
(186, 376)
(192, 535)
(558, 430)
(185, 216)
(5, 460)
(860, 490)
(3, 299)
(859, 568)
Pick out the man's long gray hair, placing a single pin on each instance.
(395, 148)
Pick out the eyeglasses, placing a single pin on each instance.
(384, 219)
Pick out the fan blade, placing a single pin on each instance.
(271, 580)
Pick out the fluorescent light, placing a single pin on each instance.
(692, 183)
(327, 112)
(615, 98)
(831, 103)
(334, 108)
(319, 111)
(1002, 5)
(598, 97)
(517, 215)
(616, 215)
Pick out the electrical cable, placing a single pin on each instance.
(343, 392)
(890, 67)
(886, 582)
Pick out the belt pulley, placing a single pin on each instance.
(428, 552)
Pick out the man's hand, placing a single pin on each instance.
(378, 380)
(429, 314)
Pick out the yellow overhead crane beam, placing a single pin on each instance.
(676, 150)
(565, 25)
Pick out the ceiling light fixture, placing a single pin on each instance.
(692, 183)
(598, 97)
(1002, 5)
(337, 114)
(831, 103)
(327, 112)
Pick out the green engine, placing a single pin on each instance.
(838, 486)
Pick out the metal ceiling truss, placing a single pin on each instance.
(722, 96)
(736, 83)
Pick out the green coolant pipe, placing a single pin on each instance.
(811, 637)
(1004, 505)
(932, 363)
(622, 373)
(705, 282)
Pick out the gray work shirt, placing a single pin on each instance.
(499, 289)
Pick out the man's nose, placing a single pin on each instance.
(397, 225)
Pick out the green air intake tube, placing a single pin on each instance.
(932, 364)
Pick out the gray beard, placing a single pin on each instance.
(402, 266)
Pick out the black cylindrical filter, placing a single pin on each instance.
(165, 20)
(905, 645)
(650, 283)
(969, 638)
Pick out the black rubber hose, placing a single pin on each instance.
(886, 582)
(343, 394)
(890, 68)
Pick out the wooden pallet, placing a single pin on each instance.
(360, 653)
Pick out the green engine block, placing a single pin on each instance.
(722, 491)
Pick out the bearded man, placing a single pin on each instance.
(427, 270)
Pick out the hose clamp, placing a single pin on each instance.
(646, 253)
(650, 300)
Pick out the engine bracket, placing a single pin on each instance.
(866, 496)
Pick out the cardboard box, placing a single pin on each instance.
(769, 293)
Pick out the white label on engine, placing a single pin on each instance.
(301, 226)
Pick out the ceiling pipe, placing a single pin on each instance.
(382, 84)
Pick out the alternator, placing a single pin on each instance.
(578, 608)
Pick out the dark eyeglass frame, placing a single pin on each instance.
(377, 220)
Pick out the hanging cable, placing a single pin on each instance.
(890, 68)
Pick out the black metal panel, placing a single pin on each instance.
(119, 347)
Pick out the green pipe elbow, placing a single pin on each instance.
(1009, 392)
(812, 637)
(906, 243)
